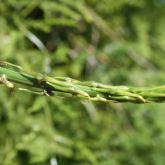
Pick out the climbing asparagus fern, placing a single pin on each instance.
(91, 90)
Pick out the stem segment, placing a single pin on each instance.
(88, 90)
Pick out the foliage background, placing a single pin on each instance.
(115, 42)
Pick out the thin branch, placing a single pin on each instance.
(91, 90)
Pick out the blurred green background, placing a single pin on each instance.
(118, 42)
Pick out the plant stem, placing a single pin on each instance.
(87, 90)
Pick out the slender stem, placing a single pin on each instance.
(87, 90)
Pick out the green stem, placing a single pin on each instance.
(88, 90)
